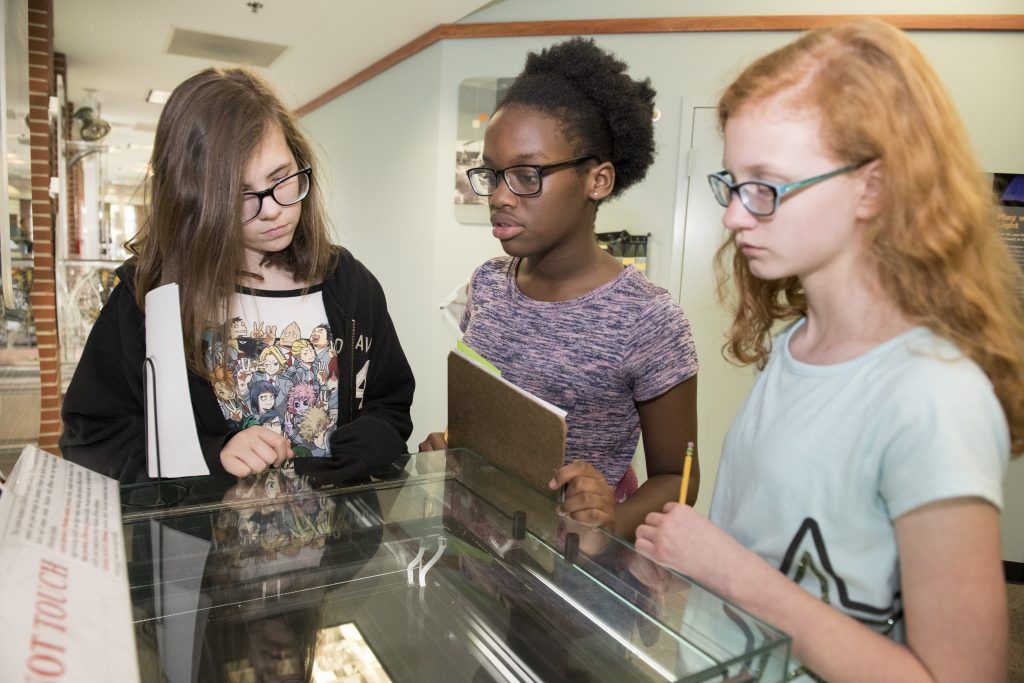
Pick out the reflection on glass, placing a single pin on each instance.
(342, 654)
(18, 157)
(105, 210)
(86, 289)
(431, 576)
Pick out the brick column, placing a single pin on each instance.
(44, 151)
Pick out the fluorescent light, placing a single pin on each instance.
(157, 96)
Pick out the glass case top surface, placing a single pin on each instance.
(447, 570)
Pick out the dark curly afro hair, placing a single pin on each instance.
(604, 112)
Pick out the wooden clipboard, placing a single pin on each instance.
(512, 428)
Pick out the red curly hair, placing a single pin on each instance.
(934, 244)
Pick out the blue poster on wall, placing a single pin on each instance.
(1008, 189)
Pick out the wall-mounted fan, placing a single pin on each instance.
(93, 127)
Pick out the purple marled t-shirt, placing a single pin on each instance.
(595, 357)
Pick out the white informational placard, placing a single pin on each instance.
(66, 613)
(168, 404)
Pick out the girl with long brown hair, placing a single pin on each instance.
(857, 502)
(235, 219)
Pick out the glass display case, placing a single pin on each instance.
(444, 569)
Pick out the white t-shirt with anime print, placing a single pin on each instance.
(282, 367)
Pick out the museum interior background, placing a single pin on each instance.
(396, 98)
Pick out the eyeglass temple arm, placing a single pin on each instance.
(791, 187)
(567, 162)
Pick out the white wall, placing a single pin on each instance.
(401, 221)
(379, 151)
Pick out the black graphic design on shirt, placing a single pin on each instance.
(808, 555)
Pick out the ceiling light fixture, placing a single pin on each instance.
(158, 96)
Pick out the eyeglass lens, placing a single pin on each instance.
(522, 180)
(757, 198)
(285, 192)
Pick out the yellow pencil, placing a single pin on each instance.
(684, 486)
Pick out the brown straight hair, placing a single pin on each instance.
(210, 127)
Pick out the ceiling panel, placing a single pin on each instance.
(119, 50)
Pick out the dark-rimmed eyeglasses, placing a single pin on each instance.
(525, 180)
(762, 198)
(286, 191)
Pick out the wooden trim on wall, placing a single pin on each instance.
(401, 54)
(795, 22)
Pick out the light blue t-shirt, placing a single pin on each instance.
(821, 459)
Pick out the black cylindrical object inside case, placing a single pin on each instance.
(518, 525)
(572, 547)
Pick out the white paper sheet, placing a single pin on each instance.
(66, 614)
(180, 455)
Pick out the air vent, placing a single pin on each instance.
(223, 48)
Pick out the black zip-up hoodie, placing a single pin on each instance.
(103, 411)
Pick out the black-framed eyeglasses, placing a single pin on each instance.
(524, 180)
(762, 198)
(286, 191)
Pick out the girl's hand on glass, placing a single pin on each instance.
(435, 441)
(653, 576)
(253, 450)
(589, 499)
(427, 464)
(685, 540)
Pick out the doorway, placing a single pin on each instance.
(721, 386)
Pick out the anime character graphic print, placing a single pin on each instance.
(285, 381)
